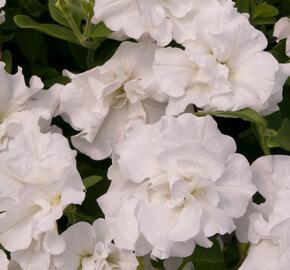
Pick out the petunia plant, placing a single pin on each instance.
(144, 135)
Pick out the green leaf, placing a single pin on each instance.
(264, 11)
(74, 215)
(56, 13)
(33, 7)
(283, 136)
(58, 79)
(264, 21)
(157, 264)
(78, 53)
(54, 30)
(285, 9)
(245, 114)
(7, 59)
(212, 255)
(91, 181)
(274, 120)
(9, 24)
(279, 52)
(209, 258)
(141, 263)
(70, 213)
(285, 104)
(243, 249)
(231, 253)
(6, 38)
(272, 142)
(100, 30)
(46, 72)
(258, 123)
(243, 6)
(259, 132)
(76, 9)
(209, 266)
(29, 43)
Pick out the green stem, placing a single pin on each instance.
(91, 57)
(261, 137)
(91, 52)
(243, 251)
(141, 263)
(258, 124)
(84, 217)
(87, 28)
(182, 265)
(88, 23)
(72, 211)
(73, 26)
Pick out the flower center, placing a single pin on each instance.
(120, 98)
(55, 200)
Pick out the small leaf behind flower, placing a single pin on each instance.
(99, 30)
(282, 137)
(245, 114)
(259, 124)
(265, 10)
(209, 258)
(54, 30)
(91, 181)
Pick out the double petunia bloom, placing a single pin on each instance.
(175, 184)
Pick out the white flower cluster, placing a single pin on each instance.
(176, 180)
(267, 225)
(222, 63)
(282, 31)
(38, 172)
(39, 179)
(90, 247)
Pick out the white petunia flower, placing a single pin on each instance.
(102, 102)
(15, 95)
(2, 13)
(221, 66)
(269, 222)
(282, 31)
(90, 247)
(3, 260)
(38, 255)
(266, 256)
(153, 17)
(184, 28)
(162, 20)
(22, 107)
(38, 180)
(174, 184)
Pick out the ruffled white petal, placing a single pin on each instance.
(282, 31)
(103, 102)
(39, 180)
(89, 247)
(170, 185)
(3, 261)
(222, 65)
(268, 224)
